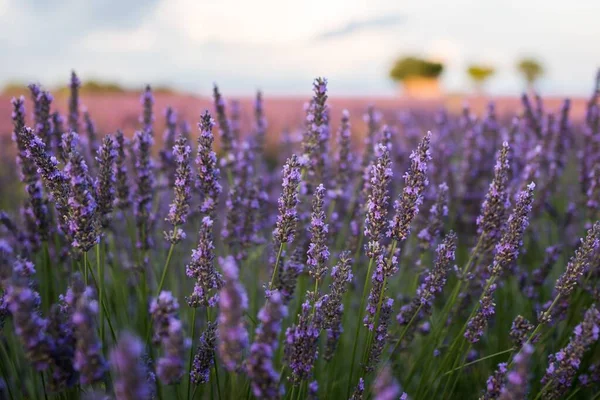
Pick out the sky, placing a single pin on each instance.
(279, 46)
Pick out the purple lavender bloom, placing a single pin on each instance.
(359, 390)
(204, 358)
(147, 118)
(105, 182)
(202, 269)
(123, 199)
(318, 252)
(170, 367)
(564, 364)
(144, 190)
(415, 181)
(83, 217)
(60, 329)
(162, 309)
(332, 307)
(301, 342)
(380, 336)
(386, 387)
(288, 272)
(519, 331)
(233, 304)
(260, 128)
(507, 251)
(92, 135)
(42, 101)
(167, 158)
(228, 144)
(74, 102)
(344, 158)
(180, 207)
(313, 390)
(516, 385)
(23, 303)
(287, 219)
(437, 214)
(491, 219)
(263, 376)
(88, 360)
(495, 383)
(316, 137)
(206, 163)
(57, 130)
(129, 369)
(378, 201)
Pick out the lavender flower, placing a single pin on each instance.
(204, 358)
(516, 385)
(167, 157)
(490, 221)
(260, 128)
(437, 213)
(519, 331)
(170, 367)
(433, 284)
(60, 329)
(90, 130)
(377, 204)
(123, 200)
(415, 181)
(359, 390)
(318, 252)
(564, 364)
(233, 304)
(88, 360)
(344, 158)
(105, 182)
(179, 209)
(507, 251)
(579, 264)
(263, 376)
(301, 343)
(287, 219)
(206, 163)
(144, 191)
(314, 143)
(226, 135)
(386, 387)
(42, 101)
(332, 307)
(313, 390)
(74, 102)
(83, 210)
(381, 335)
(23, 303)
(495, 383)
(147, 118)
(288, 272)
(130, 372)
(201, 268)
(162, 309)
(57, 131)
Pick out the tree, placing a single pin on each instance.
(531, 69)
(479, 73)
(418, 76)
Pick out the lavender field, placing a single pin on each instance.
(222, 250)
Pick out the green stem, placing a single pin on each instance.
(275, 268)
(480, 359)
(191, 352)
(100, 273)
(166, 267)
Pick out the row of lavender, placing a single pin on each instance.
(291, 275)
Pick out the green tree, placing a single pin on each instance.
(531, 69)
(479, 74)
(414, 67)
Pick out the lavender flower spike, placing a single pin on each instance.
(318, 252)
(170, 367)
(74, 102)
(381, 335)
(130, 372)
(162, 309)
(233, 303)
(377, 204)
(227, 138)
(83, 218)
(202, 269)
(206, 163)
(144, 191)
(507, 251)
(105, 182)
(437, 214)
(516, 386)
(179, 209)
(386, 387)
(264, 377)
(89, 360)
(287, 219)
(415, 181)
(204, 358)
(147, 118)
(564, 364)
(123, 199)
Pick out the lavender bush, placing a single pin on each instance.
(439, 258)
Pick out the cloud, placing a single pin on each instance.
(382, 21)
